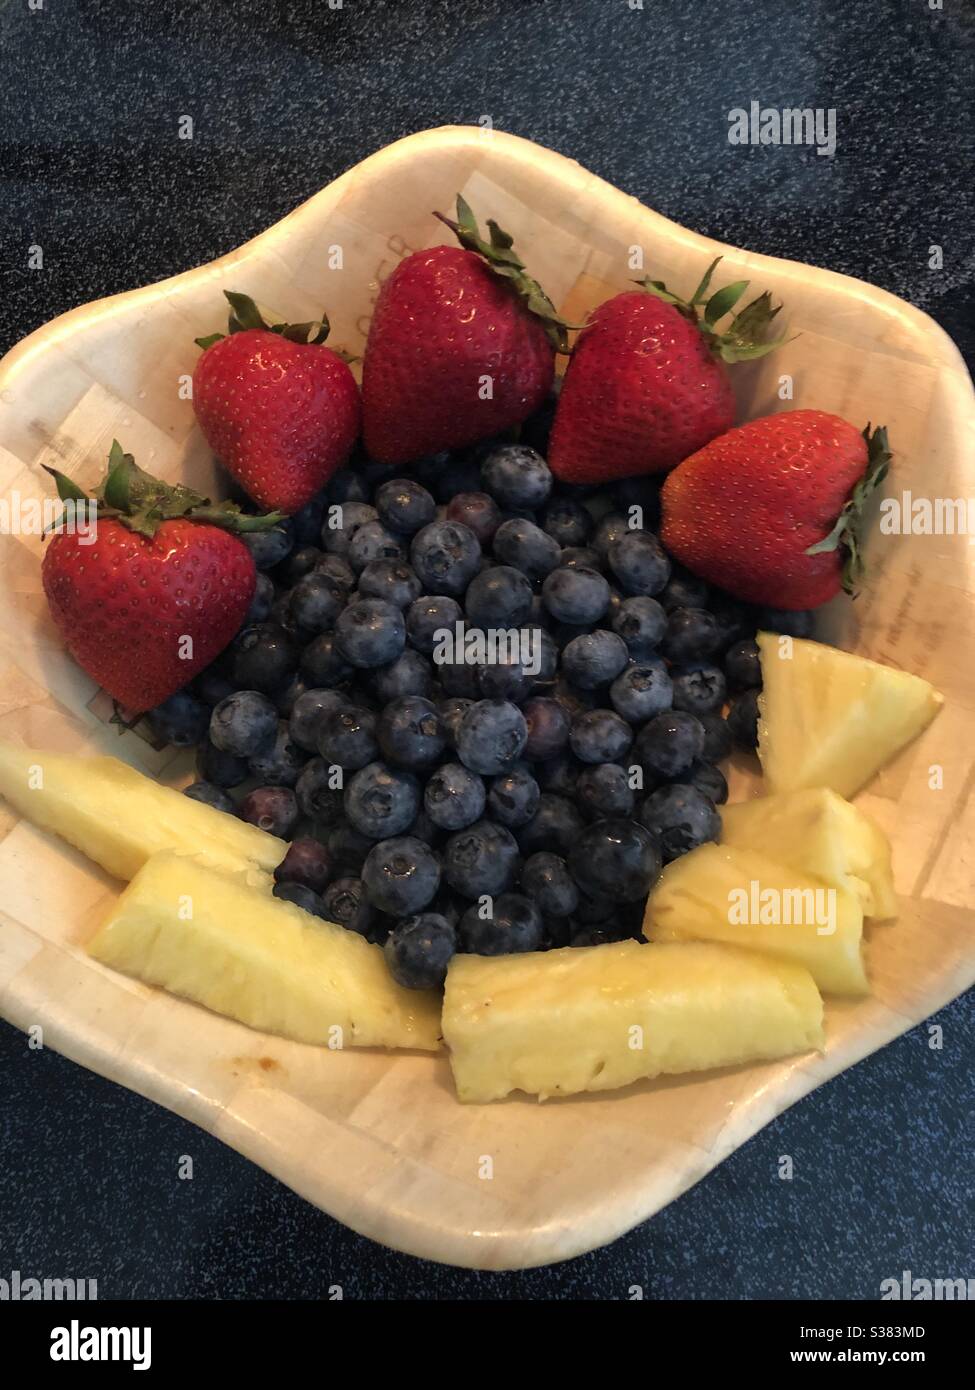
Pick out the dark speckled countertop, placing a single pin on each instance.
(284, 98)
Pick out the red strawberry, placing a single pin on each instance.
(646, 384)
(280, 411)
(153, 588)
(451, 325)
(772, 511)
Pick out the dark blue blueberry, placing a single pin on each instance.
(548, 727)
(220, 768)
(346, 902)
(743, 719)
(280, 616)
(454, 797)
(370, 632)
(181, 721)
(307, 521)
(574, 594)
(500, 597)
(429, 615)
(409, 674)
(409, 732)
(547, 881)
(559, 774)
(580, 557)
(215, 683)
(600, 736)
(526, 547)
(792, 622)
(244, 724)
(592, 910)
(743, 666)
(419, 950)
(404, 506)
(280, 764)
(555, 826)
(341, 524)
(319, 793)
(615, 859)
(401, 875)
(641, 622)
(322, 664)
(210, 795)
(513, 798)
(611, 528)
(260, 609)
(265, 657)
(381, 801)
(707, 779)
(446, 556)
(692, 634)
(639, 562)
(591, 936)
(373, 542)
(669, 743)
(287, 696)
(516, 476)
(347, 485)
(316, 601)
(339, 569)
(299, 563)
(481, 859)
(459, 678)
(347, 737)
(700, 688)
(604, 792)
(477, 511)
(511, 923)
(567, 521)
(641, 691)
(503, 680)
(300, 895)
(347, 849)
(543, 656)
(491, 737)
(679, 817)
(571, 698)
(273, 809)
(392, 580)
(451, 713)
(308, 862)
(423, 828)
(307, 714)
(594, 659)
(269, 547)
(684, 590)
(717, 738)
(457, 475)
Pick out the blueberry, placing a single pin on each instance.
(555, 826)
(273, 809)
(392, 580)
(479, 512)
(244, 724)
(543, 653)
(504, 679)
(559, 774)
(260, 609)
(318, 798)
(707, 779)
(717, 738)
(301, 896)
(446, 555)
(641, 691)
(341, 524)
(307, 521)
(423, 828)
(700, 688)
(404, 506)
(743, 719)
(370, 632)
(547, 881)
(286, 697)
(571, 698)
(512, 923)
(419, 950)
(792, 622)
(481, 859)
(337, 568)
(680, 817)
(459, 678)
(307, 862)
(409, 732)
(516, 476)
(346, 902)
(371, 542)
(594, 659)
(280, 764)
(347, 737)
(591, 910)
(513, 798)
(641, 622)
(491, 737)
(308, 714)
(612, 527)
(547, 724)
(576, 595)
(222, 769)
(525, 547)
(735, 619)
(347, 849)
(181, 721)
(210, 795)
(670, 743)
(451, 713)
(346, 485)
(269, 547)
(401, 875)
(322, 664)
(316, 601)
(692, 634)
(299, 563)
(409, 674)
(580, 557)
(215, 683)
(567, 522)
(381, 801)
(615, 859)
(454, 797)
(684, 590)
(743, 666)
(604, 791)
(457, 475)
(639, 562)
(600, 736)
(430, 615)
(500, 598)
(265, 657)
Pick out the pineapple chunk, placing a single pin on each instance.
(705, 895)
(207, 936)
(593, 1018)
(831, 719)
(818, 832)
(119, 818)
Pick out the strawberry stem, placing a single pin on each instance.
(744, 338)
(848, 528)
(245, 315)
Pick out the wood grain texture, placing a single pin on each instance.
(380, 1141)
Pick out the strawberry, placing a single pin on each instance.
(280, 411)
(149, 591)
(646, 383)
(461, 346)
(773, 511)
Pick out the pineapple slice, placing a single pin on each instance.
(119, 818)
(596, 1017)
(717, 893)
(818, 832)
(831, 719)
(207, 936)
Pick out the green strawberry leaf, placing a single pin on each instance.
(724, 301)
(847, 530)
(209, 340)
(244, 313)
(68, 491)
(744, 338)
(701, 293)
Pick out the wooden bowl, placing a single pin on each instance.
(379, 1141)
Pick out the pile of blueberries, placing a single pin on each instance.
(434, 805)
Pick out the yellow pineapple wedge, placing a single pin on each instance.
(120, 818)
(816, 831)
(208, 936)
(831, 719)
(736, 896)
(592, 1018)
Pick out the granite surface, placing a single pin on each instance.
(284, 97)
